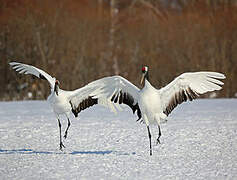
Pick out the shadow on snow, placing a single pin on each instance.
(25, 151)
(30, 151)
(91, 152)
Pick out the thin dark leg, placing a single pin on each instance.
(68, 125)
(149, 135)
(158, 139)
(61, 143)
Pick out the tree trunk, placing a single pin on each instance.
(113, 31)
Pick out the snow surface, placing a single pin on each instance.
(199, 141)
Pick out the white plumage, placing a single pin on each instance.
(65, 102)
(152, 104)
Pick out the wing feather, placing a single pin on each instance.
(119, 90)
(86, 103)
(114, 89)
(189, 86)
(28, 69)
(88, 96)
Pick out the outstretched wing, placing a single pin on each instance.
(119, 90)
(28, 69)
(189, 86)
(83, 98)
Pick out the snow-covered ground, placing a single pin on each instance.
(199, 141)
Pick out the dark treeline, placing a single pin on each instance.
(78, 41)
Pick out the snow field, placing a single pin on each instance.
(199, 141)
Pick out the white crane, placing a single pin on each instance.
(154, 105)
(64, 102)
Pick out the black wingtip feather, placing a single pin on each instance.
(86, 103)
(125, 98)
(42, 77)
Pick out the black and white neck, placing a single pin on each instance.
(145, 75)
(56, 87)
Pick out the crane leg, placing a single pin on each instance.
(68, 125)
(159, 135)
(149, 135)
(60, 134)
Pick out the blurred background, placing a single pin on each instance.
(78, 41)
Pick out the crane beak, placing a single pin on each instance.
(142, 79)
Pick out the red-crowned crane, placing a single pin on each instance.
(63, 102)
(154, 105)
